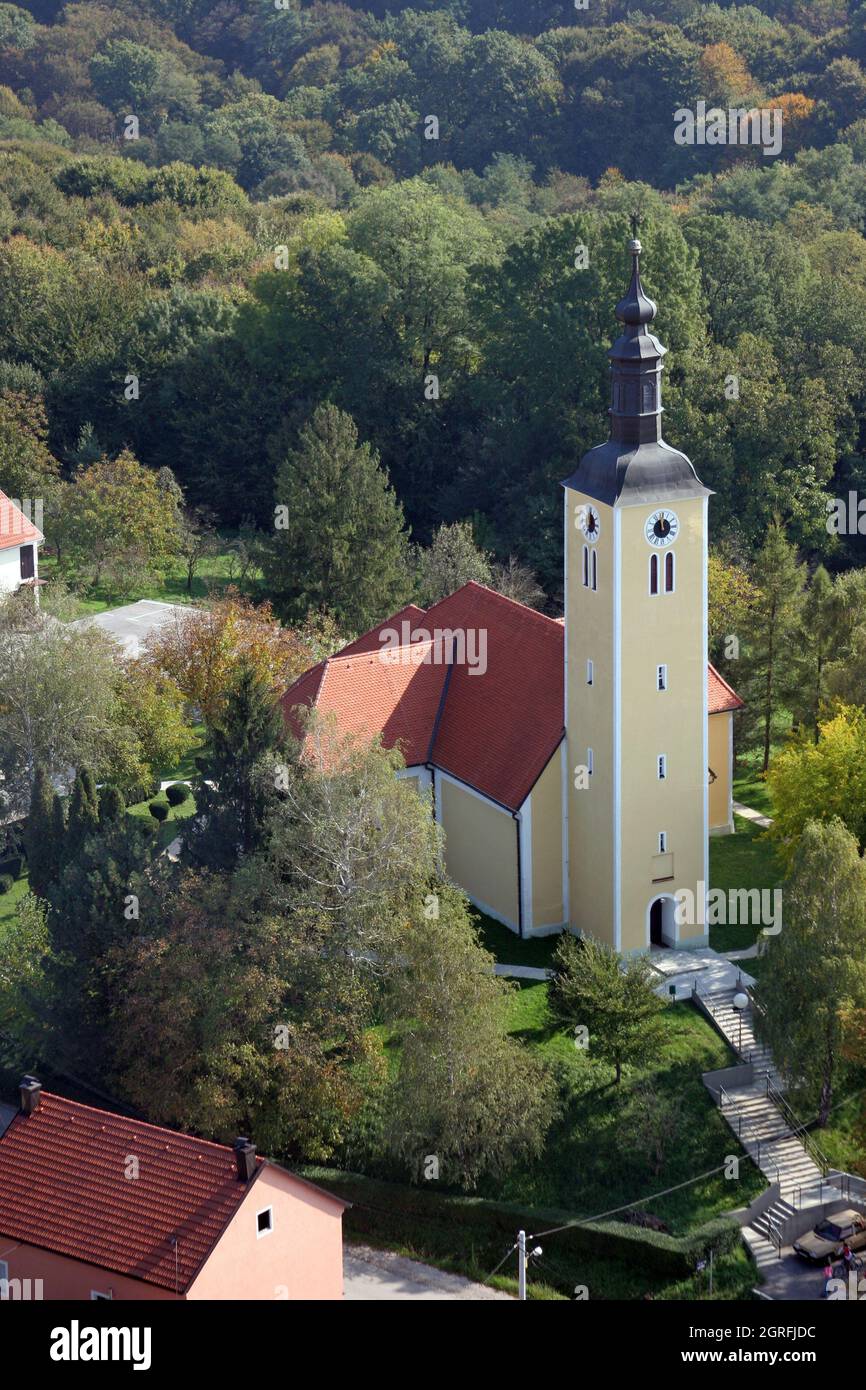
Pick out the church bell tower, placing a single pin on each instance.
(636, 662)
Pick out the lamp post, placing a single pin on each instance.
(740, 1002)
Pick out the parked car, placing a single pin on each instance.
(826, 1240)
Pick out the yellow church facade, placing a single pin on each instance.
(580, 768)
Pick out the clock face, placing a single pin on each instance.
(662, 528)
(589, 522)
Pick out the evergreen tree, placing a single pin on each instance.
(770, 633)
(58, 833)
(111, 806)
(83, 812)
(339, 544)
(816, 646)
(95, 905)
(232, 810)
(39, 843)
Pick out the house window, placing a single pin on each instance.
(589, 761)
(586, 566)
(594, 559)
(662, 677)
(663, 842)
(669, 572)
(654, 574)
(264, 1221)
(4, 1279)
(95, 1294)
(662, 766)
(589, 673)
(28, 561)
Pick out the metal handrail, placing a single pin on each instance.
(798, 1129)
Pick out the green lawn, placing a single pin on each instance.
(843, 1140)
(9, 901)
(507, 946)
(586, 1168)
(746, 859)
(168, 828)
(214, 574)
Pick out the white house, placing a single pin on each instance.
(19, 546)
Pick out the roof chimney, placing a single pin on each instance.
(30, 1092)
(245, 1158)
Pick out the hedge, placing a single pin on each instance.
(177, 793)
(613, 1259)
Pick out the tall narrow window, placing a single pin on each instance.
(662, 766)
(589, 672)
(28, 563)
(589, 761)
(663, 842)
(586, 566)
(654, 574)
(595, 569)
(662, 677)
(669, 572)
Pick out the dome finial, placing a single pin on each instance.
(636, 308)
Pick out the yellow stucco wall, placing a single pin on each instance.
(720, 762)
(546, 804)
(589, 724)
(662, 629)
(480, 848)
(615, 824)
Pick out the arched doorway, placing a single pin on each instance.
(662, 922)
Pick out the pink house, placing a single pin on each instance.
(96, 1205)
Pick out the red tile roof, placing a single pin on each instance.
(720, 696)
(495, 731)
(63, 1188)
(15, 529)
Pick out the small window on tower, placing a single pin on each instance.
(595, 569)
(662, 766)
(662, 677)
(663, 842)
(586, 566)
(669, 572)
(589, 673)
(654, 574)
(589, 761)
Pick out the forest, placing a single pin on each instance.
(322, 294)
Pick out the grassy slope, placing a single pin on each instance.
(746, 859)
(586, 1168)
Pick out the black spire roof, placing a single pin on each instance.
(636, 465)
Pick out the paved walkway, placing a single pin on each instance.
(522, 972)
(754, 816)
(377, 1275)
(704, 969)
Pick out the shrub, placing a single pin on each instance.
(158, 809)
(6, 882)
(177, 793)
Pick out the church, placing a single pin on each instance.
(577, 766)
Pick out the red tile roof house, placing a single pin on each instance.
(96, 1205)
(19, 546)
(486, 741)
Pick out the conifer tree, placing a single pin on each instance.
(111, 806)
(83, 812)
(771, 634)
(339, 545)
(232, 810)
(38, 835)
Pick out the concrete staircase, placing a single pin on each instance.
(758, 1116)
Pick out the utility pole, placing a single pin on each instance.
(521, 1266)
